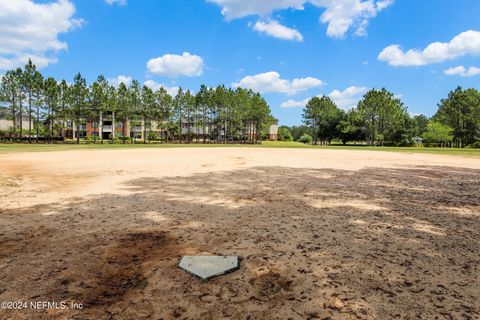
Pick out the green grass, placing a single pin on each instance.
(447, 151)
(11, 148)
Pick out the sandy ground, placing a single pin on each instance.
(326, 234)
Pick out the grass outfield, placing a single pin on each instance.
(11, 148)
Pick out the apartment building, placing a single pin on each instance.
(109, 128)
(6, 122)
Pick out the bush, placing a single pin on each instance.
(114, 141)
(305, 138)
(284, 134)
(152, 136)
(475, 145)
(438, 133)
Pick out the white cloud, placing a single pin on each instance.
(14, 61)
(466, 43)
(275, 29)
(349, 97)
(271, 82)
(31, 30)
(171, 65)
(339, 15)
(290, 103)
(126, 80)
(345, 99)
(155, 86)
(462, 71)
(234, 9)
(119, 2)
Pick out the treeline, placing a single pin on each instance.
(218, 114)
(380, 118)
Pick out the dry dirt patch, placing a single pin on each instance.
(320, 235)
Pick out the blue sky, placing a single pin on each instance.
(290, 50)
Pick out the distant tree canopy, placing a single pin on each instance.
(380, 118)
(323, 117)
(384, 116)
(223, 114)
(215, 114)
(438, 133)
(284, 134)
(298, 131)
(305, 138)
(461, 111)
(420, 122)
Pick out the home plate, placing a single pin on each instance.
(206, 267)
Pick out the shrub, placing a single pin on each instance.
(305, 138)
(284, 134)
(152, 136)
(475, 145)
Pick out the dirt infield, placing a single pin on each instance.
(327, 234)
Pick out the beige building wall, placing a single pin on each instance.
(7, 124)
(273, 132)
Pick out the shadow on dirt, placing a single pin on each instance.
(373, 243)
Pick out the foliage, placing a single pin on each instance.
(213, 114)
(220, 115)
(350, 127)
(284, 134)
(475, 145)
(305, 138)
(420, 122)
(322, 116)
(152, 136)
(298, 131)
(461, 111)
(385, 118)
(438, 133)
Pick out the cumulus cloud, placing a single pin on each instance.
(126, 80)
(274, 29)
(172, 65)
(466, 43)
(345, 99)
(14, 61)
(119, 2)
(339, 15)
(349, 97)
(31, 30)
(156, 86)
(290, 103)
(270, 82)
(462, 71)
(234, 9)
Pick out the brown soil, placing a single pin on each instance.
(321, 234)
